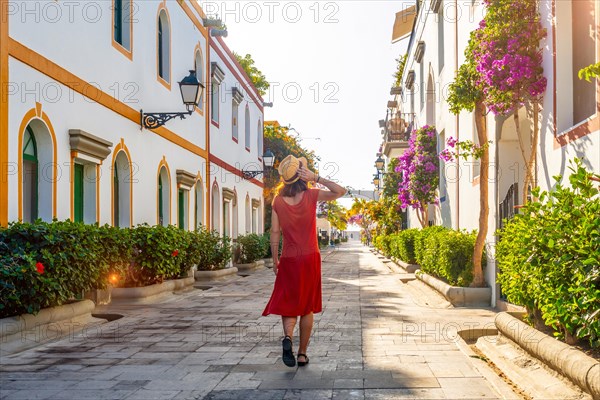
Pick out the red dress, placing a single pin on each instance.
(297, 288)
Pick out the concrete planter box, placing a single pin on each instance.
(250, 266)
(99, 296)
(268, 262)
(581, 369)
(458, 296)
(216, 274)
(27, 330)
(140, 294)
(409, 268)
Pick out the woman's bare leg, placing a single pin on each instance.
(289, 323)
(306, 325)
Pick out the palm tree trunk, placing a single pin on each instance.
(481, 124)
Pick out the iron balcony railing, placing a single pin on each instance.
(399, 127)
(506, 209)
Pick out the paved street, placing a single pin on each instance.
(377, 338)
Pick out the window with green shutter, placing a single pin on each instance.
(118, 21)
(78, 193)
(30, 176)
(181, 208)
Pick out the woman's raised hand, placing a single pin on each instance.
(306, 174)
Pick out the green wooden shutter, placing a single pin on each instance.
(181, 208)
(78, 193)
(160, 201)
(116, 196)
(118, 22)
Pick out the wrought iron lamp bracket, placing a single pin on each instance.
(156, 120)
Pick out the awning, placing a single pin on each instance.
(404, 23)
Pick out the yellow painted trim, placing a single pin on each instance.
(4, 17)
(163, 163)
(193, 17)
(72, 184)
(98, 194)
(118, 46)
(198, 49)
(163, 6)
(36, 113)
(61, 75)
(118, 148)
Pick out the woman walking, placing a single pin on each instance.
(297, 290)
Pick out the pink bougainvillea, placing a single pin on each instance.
(419, 167)
(509, 57)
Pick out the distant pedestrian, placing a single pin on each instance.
(297, 289)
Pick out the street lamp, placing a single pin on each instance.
(379, 163)
(376, 180)
(268, 160)
(191, 93)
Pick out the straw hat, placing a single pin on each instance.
(288, 168)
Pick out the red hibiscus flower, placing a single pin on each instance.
(175, 253)
(40, 267)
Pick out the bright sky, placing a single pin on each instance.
(330, 65)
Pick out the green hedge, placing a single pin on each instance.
(548, 258)
(402, 245)
(441, 252)
(48, 264)
(251, 248)
(448, 254)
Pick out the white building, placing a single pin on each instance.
(236, 145)
(74, 79)
(438, 33)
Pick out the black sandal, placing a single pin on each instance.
(303, 363)
(288, 354)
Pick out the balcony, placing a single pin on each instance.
(396, 133)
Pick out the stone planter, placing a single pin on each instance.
(458, 296)
(268, 262)
(409, 268)
(148, 293)
(27, 330)
(216, 274)
(99, 296)
(250, 266)
(581, 369)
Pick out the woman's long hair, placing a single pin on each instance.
(292, 189)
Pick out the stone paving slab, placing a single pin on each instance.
(377, 338)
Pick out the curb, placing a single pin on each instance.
(216, 274)
(410, 268)
(458, 296)
(581, 369)
(250, 266)
(27, 330)
(145, 292)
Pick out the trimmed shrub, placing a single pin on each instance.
(251, 248)
(449, 255)
(48, 264)
(548, 258)
(402, 245)
(214, 251)
(419, 241)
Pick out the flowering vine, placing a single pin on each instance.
(465, 149)
(419, 167)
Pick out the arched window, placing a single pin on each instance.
(430, 109)
(164, 47)
(234, 119)
(199, 67)
(38, 172)
(216, 201)
(234, 218)
(247, 127)
(164, 197)
(248, 215)
(259, 139)
(198, 204)
(30, 176)
(121, 191)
